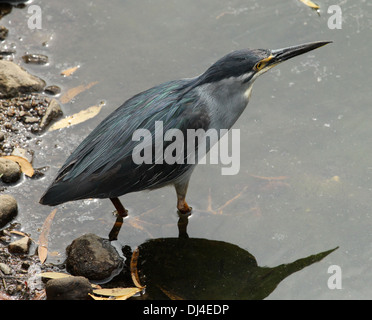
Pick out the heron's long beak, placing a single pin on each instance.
(280, 55)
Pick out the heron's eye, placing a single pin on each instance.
(259, 66)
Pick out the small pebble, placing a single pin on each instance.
(5, 269)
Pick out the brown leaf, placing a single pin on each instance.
(70, 71)
(26, 166)
(42, 253)
(70, 94)
(133, 269)
(43, 238)
(76, 118)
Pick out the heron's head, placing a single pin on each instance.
(247, 64)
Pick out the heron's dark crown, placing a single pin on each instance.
(234, 64)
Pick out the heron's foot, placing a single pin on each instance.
(120, 210)
(183, 207)
(123, 213)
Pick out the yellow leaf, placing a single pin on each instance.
(69, 71)
(310, 4)
(26, 166)
(123, 293)
(76, 118)
(97, 298)
(42, 249)
(70, 94)
(54, 275)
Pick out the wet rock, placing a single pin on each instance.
(15, 80)
(53, 90)
(3, 33)
(20, 246)
(35, 58)
(69, 288)
(93, 257)
(8, 209)
(52, 112)
(10, 171)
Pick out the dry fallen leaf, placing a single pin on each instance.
(76, 118)
(43, 238)
(54, 275)
(117, 292)
(70, 71)
(70, 94)
(133, 269)
(98, 298)
(26, 166)
(310, 4)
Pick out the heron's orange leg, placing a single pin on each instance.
(181, 190)
(122, 212)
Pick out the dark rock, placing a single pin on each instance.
(10, 171)
(69, 288)
(8, 209)
(94, 258)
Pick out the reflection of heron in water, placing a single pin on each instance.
(191, 268)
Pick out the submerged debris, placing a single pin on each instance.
(35, 58)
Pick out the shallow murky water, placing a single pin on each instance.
(304, 185)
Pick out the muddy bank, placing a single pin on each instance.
(27, 107)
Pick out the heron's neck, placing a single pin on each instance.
(226, 100)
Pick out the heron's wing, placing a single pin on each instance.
(102, 165)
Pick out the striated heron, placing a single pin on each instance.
(102, 166)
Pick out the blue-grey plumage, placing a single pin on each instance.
(102, 165)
